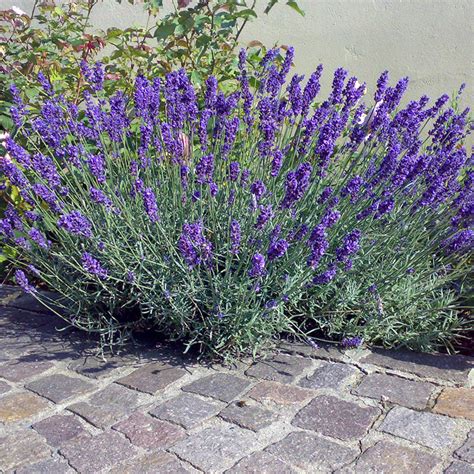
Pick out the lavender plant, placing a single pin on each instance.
(254, 214)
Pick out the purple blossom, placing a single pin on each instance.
(325, 277)
(234, 170)
(382, 84)
(94, 76)
(235, 236)
(93, 266)
(213, 189)
(14, 174)
(296, 184)
(47, 196)
(350, 245)
(258, 266)
(266, 213)
(319, 245)
(352, 188)
(311, 90)
(258, 189)
(205, 169)
(337, 85)
(97, 167)
(99, 197)
(352, 342)
(277, 163)
(75, 223)
(461, 242)
(193, 246)
(23, 282)
(277, 249)
(39, 238)
(330, 218)
(149, 202)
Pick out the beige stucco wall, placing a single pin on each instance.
(432, 41)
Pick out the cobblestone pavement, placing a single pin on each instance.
(63, 410)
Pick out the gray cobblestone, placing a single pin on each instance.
(404, 392)
(394, 459)
(248, 416)
(466, 451)
(427, 429)
(329, 375)
(311, 453)
(215, 449)
(186, 410)
(279, 368)
(58, 429)
(59, 387)
(224, 387)
(336, 418)
(92, 454)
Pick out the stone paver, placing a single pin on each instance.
(279, 393)
(248, 416)
(329, 375)
(20, 406)
(59, 387)
(397, 390)
(149, 409)
(152, 377)
(58, 429)
(457, 402)
(92, 454)
(394, 459)
(22, 448)
(460, 467)
(466, 451)
(454, 368)
(215, 449)
(279, 368)
(427, 429)
(336, 418)
(224, 387)
(19, 370)
(261, 463)
(147, 432)
(151, 463)
(108, 406)
(186, 410)
(95, 367)
(48, 466)
(311, 453)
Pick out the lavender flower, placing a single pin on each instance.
(75, 223)
(352, 342)
(193, 246)
(93, 266)
(23, 282)
(99, 197)
(350, 245)
(258, 189)
(235, 236)
(266, 213)
(39, 238)
(325, 277)
(234, 170)
(277, 249)
(149, 202)
(205, 169)
(258, 266)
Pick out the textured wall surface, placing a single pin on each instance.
(432, 41)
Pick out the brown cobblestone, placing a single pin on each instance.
(457, 402)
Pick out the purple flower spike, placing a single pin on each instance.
(23, 282)
(277, 249)
(93, 266)
(75, 223)
(149, 202)
(258, 266)
(352, 342)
